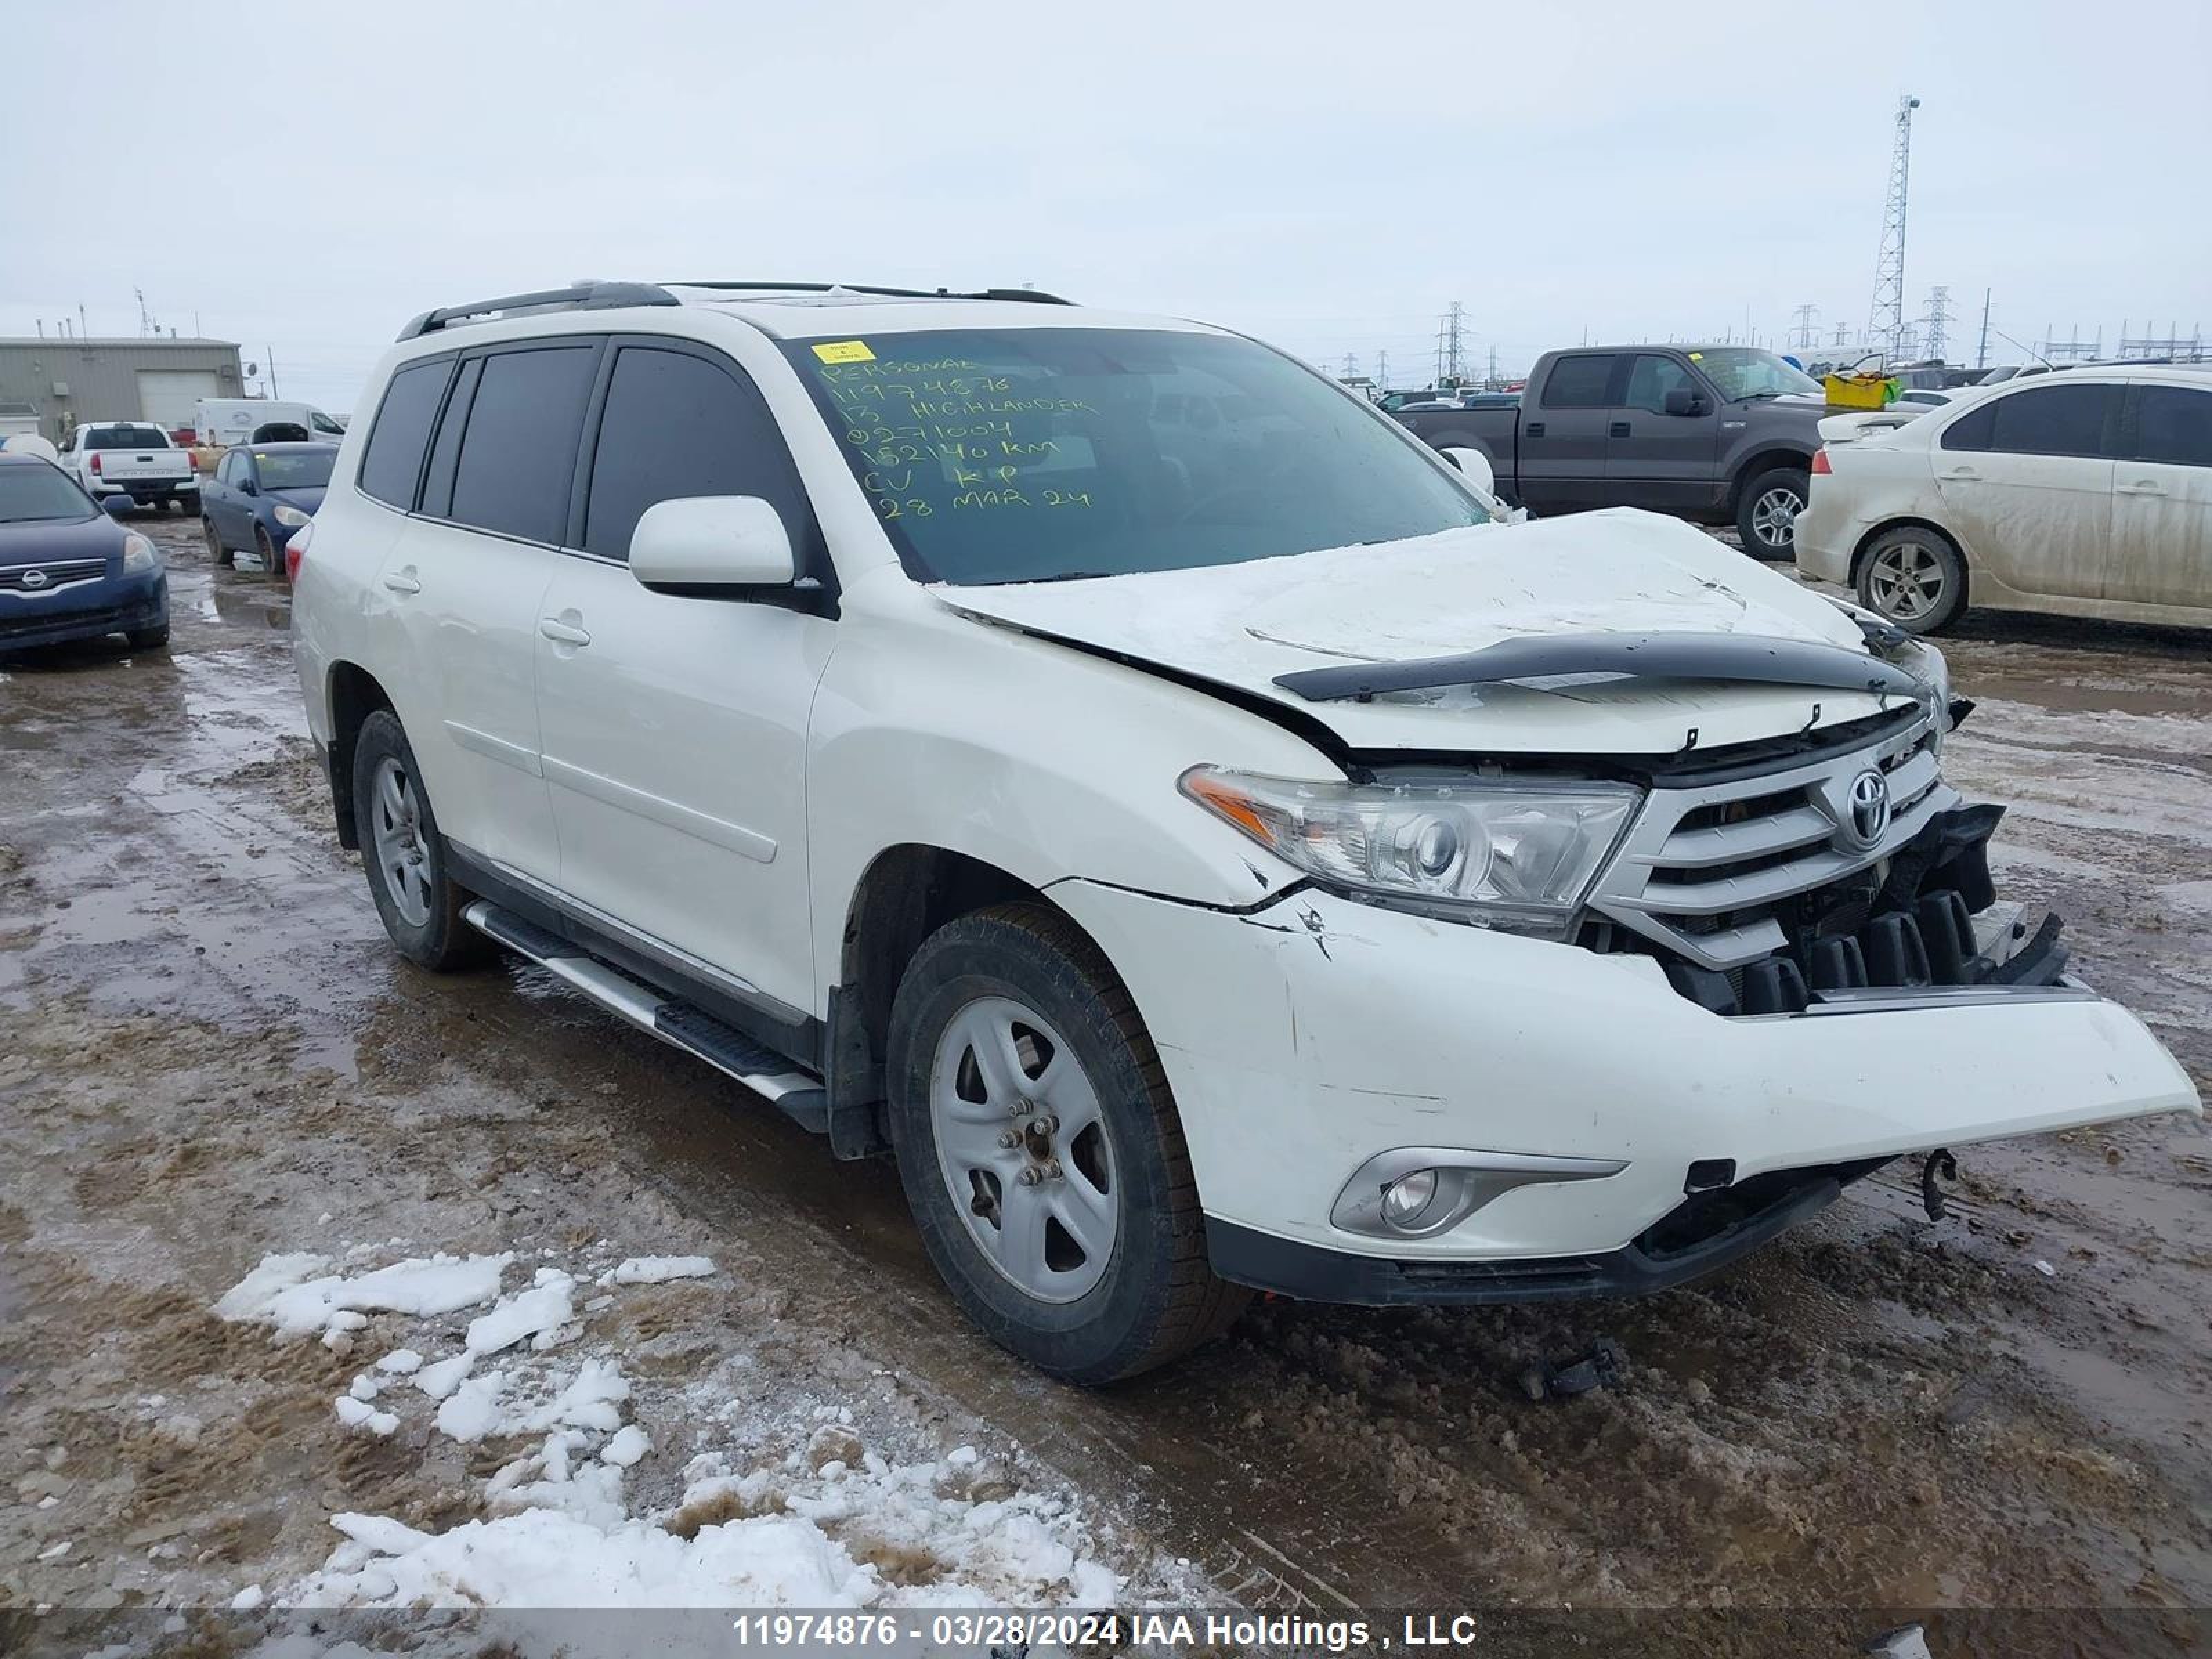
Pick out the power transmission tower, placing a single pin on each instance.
(1982, 351)
(1886, 320)
(1451, 346)
(1492, 383)
(1382, 369)
(2173, 343)
(1351, 364)
(1939, 320)
(1804, 334)
(2074, 349)
(146, 324)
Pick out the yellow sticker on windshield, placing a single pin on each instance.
(845, 351)
(1697, 356)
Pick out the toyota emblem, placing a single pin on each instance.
(34, 579)
(1869, 805)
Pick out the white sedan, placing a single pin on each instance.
(2086, 492)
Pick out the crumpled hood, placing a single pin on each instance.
(1619, 570)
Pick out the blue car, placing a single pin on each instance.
(68, 570)
(260, 493)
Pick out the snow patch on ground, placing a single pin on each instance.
(829, 1522)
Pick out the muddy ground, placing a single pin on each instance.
(208, 1053)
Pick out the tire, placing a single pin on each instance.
(1915, 577)
(422, 909)
(213, 538)
(273, 563)
(147, 639)
(1025, 973)
(1767, 512)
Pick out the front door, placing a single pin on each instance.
(2026, 480)
(675, 726)
(2162, 500)
(1655, 459)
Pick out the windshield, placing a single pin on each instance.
(294, 469)
(29, 495)
(126, 437)
(1042, 454)
(1740, 371)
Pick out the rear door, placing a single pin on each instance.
(1563, 437)
(462, 584)
(2026, 480)
(675, 726)
(2161, 551)
(1655, 460)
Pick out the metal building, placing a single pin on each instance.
(67, 381)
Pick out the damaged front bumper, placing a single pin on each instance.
(1306, 1037)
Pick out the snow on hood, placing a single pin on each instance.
(1617, 570)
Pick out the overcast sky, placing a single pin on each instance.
(303, 179)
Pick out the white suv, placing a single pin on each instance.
(1209, 855)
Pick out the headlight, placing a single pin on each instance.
(290, 517)
(138, 554)
(1507, 855)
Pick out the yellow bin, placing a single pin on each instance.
(1860, 391)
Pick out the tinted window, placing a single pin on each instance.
(226, 469)
(126, 437)
(1578, 383)
(325, 424)
(1029, 454)
(394, 461)
(2044, 420)
(438, 485)
(677, 425)
(1652, 378)
(2173, 424)
(519, 450)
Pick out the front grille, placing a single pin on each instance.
(61, 574)
(1704, 870)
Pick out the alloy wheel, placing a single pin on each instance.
(1774, 517)
(1022, 1144)
(403, 852)
(1906, 581)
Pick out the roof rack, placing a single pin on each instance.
(578, 296)
(1031, 296)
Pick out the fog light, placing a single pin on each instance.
(1407, 1199)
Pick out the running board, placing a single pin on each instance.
(798, 1094)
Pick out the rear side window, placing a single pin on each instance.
(2173, 425)
(2047, 420)
(1579, 382)
(678, 425)
(393, 462)
(519, 450)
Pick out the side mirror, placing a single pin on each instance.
(247, 487)
(1476, 467)
(1683, 401)
(116, 507)
(712, 541)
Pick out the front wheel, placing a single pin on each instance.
(1767, 513)
(1914, 577)
(1041, 1151)
(404, 854)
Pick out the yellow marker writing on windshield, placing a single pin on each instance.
(845, 351)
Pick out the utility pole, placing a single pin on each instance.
(146, 324)
(1982, 351)
(272, 373)
(1885, 318)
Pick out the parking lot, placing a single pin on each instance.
(222, 1060)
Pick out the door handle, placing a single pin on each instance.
(1618, 429)
(2140, 487)
(1533, 429)
(1958, 474)
(403, 581)
(562, 633)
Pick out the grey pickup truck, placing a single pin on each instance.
(1713, 433)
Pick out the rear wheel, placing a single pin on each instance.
(213, 538)
(1914, 577)
(404, 854)
(1041, 1150)
(1767, 512)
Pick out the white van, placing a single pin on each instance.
(227, 420)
